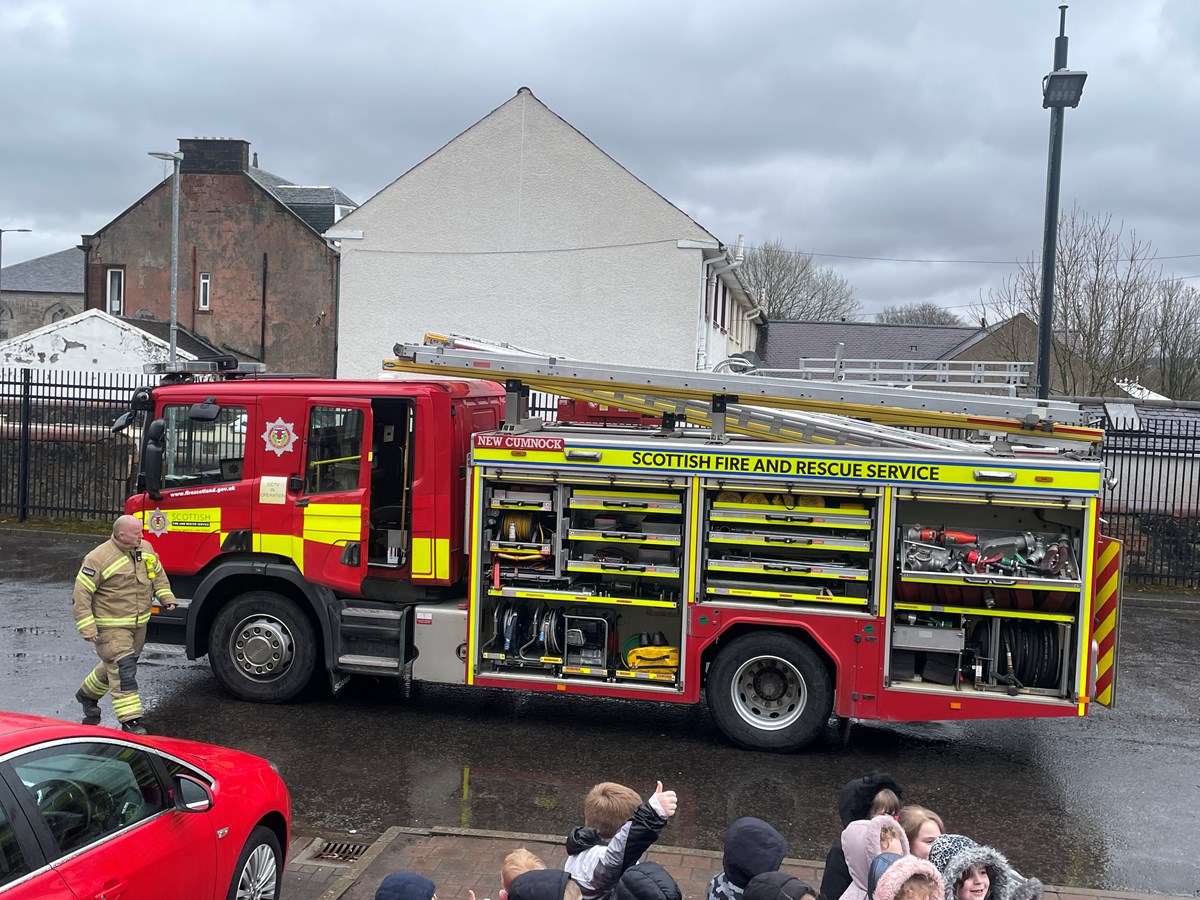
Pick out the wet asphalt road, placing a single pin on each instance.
(1107, 802)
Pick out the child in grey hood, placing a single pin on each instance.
(972, 871)
(751, 847)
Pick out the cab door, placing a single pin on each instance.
(331, 510)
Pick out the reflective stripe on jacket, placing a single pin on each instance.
(115, 588)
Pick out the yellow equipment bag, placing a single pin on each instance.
(653, 658)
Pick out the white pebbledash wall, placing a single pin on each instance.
(521, 230)
(88, 341)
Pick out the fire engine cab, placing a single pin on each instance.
(776, 546)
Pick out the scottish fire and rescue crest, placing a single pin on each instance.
(157, 523)
(279, 437)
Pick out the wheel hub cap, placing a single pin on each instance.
(768, 693)
(261, 648)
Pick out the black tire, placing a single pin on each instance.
(263, 648)
(769, 691)
(258, 874)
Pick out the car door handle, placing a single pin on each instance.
(113, 889)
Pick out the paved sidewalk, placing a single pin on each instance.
(458, 860)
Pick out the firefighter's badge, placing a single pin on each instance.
(157, 523)
(279, 437)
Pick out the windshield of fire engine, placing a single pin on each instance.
(203, 452)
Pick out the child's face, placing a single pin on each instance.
(974, 885)
(890, 845)
(926, 835)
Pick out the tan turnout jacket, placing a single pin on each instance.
(115, 588)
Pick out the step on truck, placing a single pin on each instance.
(783, 549)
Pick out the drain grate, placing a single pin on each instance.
(340, 852)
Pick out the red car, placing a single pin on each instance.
(92, 812)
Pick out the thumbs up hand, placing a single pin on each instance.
(664, 802)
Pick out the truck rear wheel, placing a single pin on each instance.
(769, 691)
(263, 648)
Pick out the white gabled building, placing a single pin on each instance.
(90, 341)
(522, 230)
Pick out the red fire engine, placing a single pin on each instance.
(755, 545)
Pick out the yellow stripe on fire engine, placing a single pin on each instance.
(1085, 612)
(193, 520)
(997, 478)
(286, 545)
(1108, 597)
(431, 557)
(475, 545)
(885, 552)
(333, 523)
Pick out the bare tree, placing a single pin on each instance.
(789, 285)
(1177, 352)
(917, 314)
(1106, 289)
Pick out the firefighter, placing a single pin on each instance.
(114, 590)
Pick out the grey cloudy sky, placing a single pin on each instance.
(877, 128)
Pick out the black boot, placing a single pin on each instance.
(91, 708)
(134, 726)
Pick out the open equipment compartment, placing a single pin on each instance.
(581, 580)
(988, 595)
(789, 546)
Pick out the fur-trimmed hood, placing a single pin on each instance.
(953, 854)
(900, 871)
(860, 844)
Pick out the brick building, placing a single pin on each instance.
(256, 278)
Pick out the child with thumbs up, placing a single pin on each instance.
(617, 829)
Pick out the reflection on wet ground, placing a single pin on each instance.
(1094, 803)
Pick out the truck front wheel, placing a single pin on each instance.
(769, 691)
(263, 648)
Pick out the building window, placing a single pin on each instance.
(205, 297)
(57, 313)
(115, 292)
(5, 322)
(340, 211)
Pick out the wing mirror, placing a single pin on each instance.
(122, 421)
(191, 795)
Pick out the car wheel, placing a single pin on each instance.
(263, 648)
(769, 691)
(257, 875)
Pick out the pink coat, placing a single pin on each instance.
(860, 843)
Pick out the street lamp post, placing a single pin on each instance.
(3, 232)
(176, 159)
(1060, 89)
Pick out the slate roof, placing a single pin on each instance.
(56, 273)
(789, 341)
(185, 340)
(315, 205)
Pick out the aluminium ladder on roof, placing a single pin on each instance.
(1055, 423)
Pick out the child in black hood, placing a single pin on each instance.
(752, 847)
(854, 802)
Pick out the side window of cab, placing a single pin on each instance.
(198, 453)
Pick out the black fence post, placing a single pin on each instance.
(23, 465)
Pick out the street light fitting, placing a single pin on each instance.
(1063, 88)
(165, 156)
